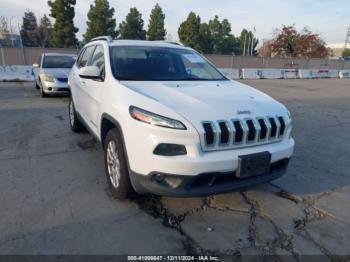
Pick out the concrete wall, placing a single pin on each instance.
(16, 73)
(29, 55)
(239, 62)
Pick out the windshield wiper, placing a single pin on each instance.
(130, 79)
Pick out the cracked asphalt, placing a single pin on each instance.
(54, 197)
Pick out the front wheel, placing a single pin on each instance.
(36, 85)
(116, 166)
(74, 121)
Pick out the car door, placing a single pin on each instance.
(37, 69)
(79, 84)
(92, 89)
(74, 79)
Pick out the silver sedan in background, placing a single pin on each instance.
(51, 73)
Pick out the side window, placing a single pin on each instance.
(85, 58)
(80, 55)
(99, 60)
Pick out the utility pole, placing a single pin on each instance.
(252, 47)
(263, 55)
(347, 39)
(21, 43)
(2, 55)
(248, 50)
(245, 40)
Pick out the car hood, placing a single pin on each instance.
(209, 100)
(56, 72)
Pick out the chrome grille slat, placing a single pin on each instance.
(257, 130)
(245, 131)
(278, 127)
(234, 133)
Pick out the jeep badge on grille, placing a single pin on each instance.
(243, 112)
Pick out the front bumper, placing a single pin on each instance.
(141, 140)
(203, 184)
(55, 87)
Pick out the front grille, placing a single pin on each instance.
(240, 132)
(62, 79)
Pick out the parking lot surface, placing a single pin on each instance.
(54, 197)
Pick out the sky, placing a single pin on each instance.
(329, 18)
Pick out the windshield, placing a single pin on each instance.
(140, 63)
(59, 61)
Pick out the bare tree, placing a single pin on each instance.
(5, 37)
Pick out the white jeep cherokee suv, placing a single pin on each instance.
(171, 124)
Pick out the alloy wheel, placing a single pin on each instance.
(113, 163)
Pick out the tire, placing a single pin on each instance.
(42, 92)
(116, 166)
(37, 86)
(75, 125)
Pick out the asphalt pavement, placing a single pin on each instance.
(54, 197)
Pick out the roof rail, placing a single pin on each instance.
(106, 38)
(169, 42)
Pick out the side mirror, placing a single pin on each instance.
(90, 72)
(35, 65)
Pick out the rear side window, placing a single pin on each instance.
(85, 58)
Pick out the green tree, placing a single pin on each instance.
(205, 39)
(156, 30)
(223, 41)
(45, 32)
(246, 40)
(100, 20)
(64, 30)
(29, 29)
(189, 31)
(132, 27)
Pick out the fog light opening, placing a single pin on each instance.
(173, 181)
(159, 178)
(170, 150)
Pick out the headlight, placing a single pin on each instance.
(154, 119)
(49, 78)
